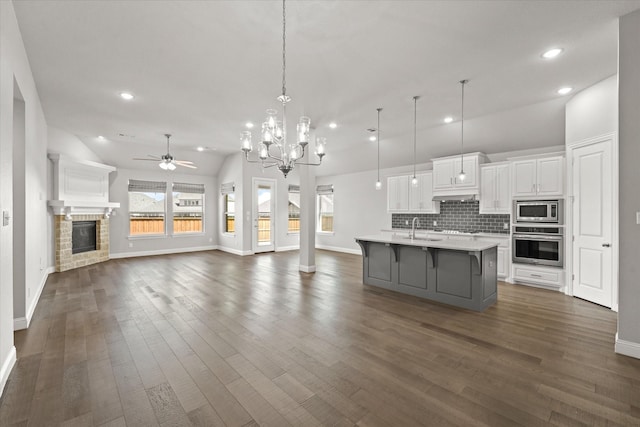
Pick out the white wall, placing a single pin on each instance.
(629, 141)
(593, 111)
(63, 142)
(121, 245)
(14, 64)
(359, 209)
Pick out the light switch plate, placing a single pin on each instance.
(638, 218)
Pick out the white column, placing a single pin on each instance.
(308, 217)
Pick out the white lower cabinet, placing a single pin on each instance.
(536, 275)
(503, 262)
(504, 254)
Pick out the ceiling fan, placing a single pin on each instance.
(167, 162)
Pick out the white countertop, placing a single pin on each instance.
(459, 245)
(423, 232)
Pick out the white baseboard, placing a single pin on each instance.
(20, 323)
(627, 348)
(24, 322)
(307, 268)
(339, 249)
(163, 252)
(7, 366)
(287, 248)
(234, 251)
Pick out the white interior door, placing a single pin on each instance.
(592, 222)
(264, 211)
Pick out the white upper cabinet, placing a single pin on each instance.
(398, 193)
(402, 196)
(495, 194)
(421, 195)
(538, 177)
(447, 169)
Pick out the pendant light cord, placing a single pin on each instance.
(378, 138)
(462, 82)
(415, 115)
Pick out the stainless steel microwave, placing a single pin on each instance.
(538, 211)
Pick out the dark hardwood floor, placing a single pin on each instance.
(213, 339)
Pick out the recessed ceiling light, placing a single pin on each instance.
(564, 90)
(126, 96)
(249, 125)
(552, 53)
(333, 125)
(200, 148)
(448, 119)
(372, 138)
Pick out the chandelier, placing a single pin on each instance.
(274, 149)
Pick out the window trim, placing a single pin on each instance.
(225, 213)
(202, 217)
(143, 186)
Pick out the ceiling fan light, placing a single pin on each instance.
(171, 166)
(162, 165)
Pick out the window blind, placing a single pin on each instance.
(324, 189)
(147, 186)
(227, 187)
(294, 188)
(182, 187)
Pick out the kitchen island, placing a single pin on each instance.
(462, 273)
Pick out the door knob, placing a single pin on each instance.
(606, 245)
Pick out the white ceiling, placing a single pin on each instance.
(201, 69)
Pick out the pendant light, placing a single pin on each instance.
(414, 180)
(462, 175)
(378, 182)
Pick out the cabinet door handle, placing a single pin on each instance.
(538, 188)
(606, 245)
(536, 275)
(533, 188)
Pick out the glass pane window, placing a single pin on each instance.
(325, 212)
(229, 204)
(294, 212)
(188, 212)
(146, 212)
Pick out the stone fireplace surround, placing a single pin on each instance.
(65, 260)
(80, 193)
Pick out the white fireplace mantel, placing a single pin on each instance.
(80, 187)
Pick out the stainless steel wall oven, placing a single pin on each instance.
(538, 245)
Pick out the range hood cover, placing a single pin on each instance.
(456, 197)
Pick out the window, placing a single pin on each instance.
(294, 209)
(228, 207)
(325, 208)
(147, 207)
(188, 208)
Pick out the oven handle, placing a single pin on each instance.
(537, 237)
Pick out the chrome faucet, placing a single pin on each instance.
(414, 223)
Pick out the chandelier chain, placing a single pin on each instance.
(284, 49)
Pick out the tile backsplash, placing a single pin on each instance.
(454, 215)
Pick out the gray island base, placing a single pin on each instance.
(459, 273)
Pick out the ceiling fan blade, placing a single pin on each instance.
(148, 160)
(186, 166)
(188, 162)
